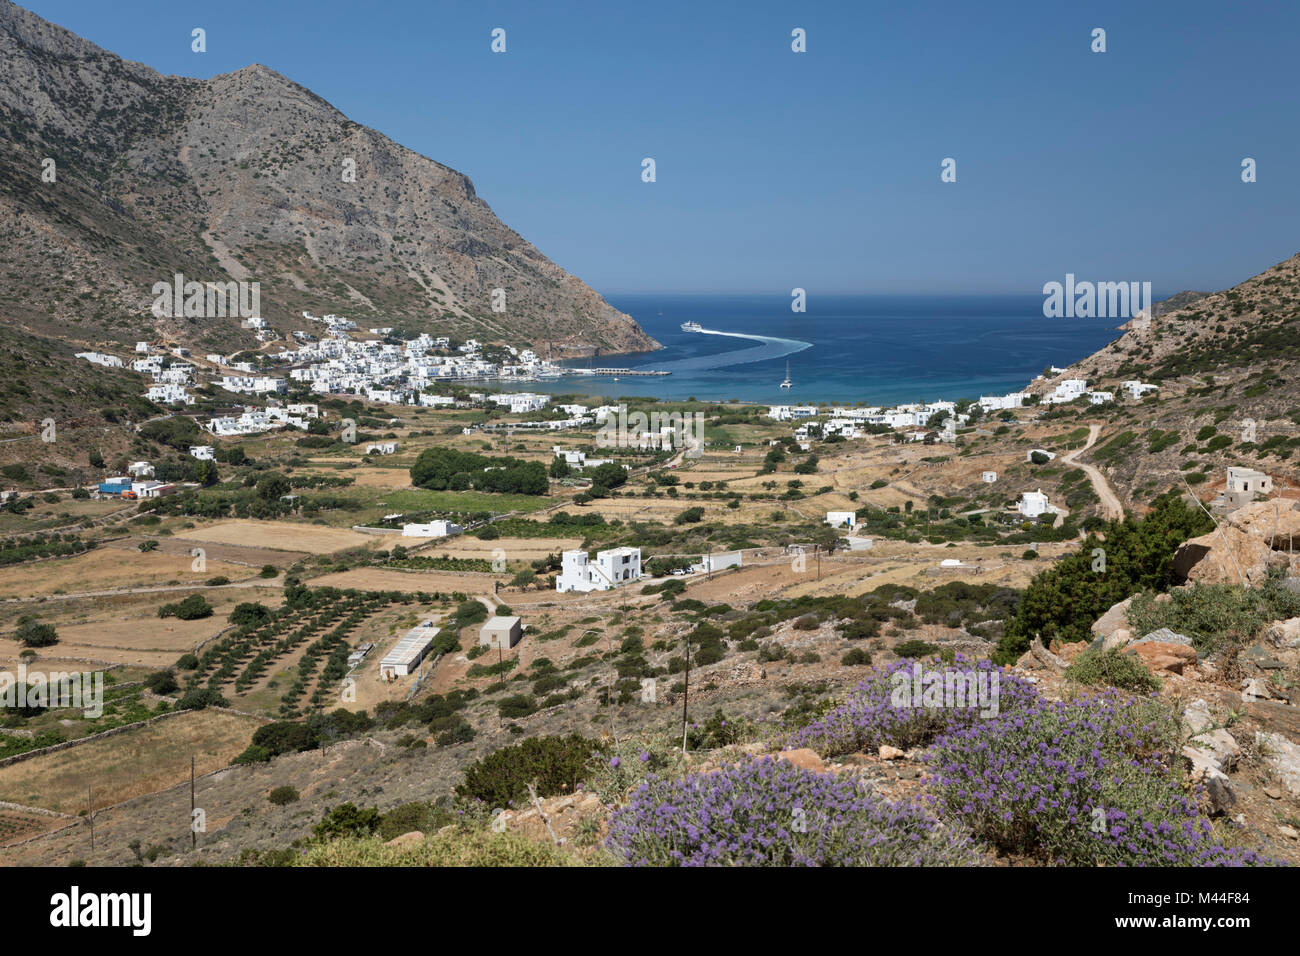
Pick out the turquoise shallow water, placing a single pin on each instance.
(872, 349)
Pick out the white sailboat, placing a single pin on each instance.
(787, 383)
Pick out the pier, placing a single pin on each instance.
(617, 371)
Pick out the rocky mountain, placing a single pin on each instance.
(114, 177)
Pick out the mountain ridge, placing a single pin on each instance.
(160, 174)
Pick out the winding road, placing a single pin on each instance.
(1109, 500)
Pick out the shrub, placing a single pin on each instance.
(915, 648)
(282, 795)
(268, 571)
(882, 708)
(554, 764)
(856, 658)
(33, 633)
(190, 609)
(516, 705)
(1063, 601)
(1092, 782)
(1099, 668)
(199, 698)
(772, 813)
(1207, 613)
(250, 614)
(347, 820)
(161, 682)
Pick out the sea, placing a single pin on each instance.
(873, 349)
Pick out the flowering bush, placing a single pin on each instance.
(771, 813)
(875, 712)
(616, 768)
(1093, 781)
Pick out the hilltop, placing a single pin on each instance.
(245, 177)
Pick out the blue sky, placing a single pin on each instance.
(821, 169)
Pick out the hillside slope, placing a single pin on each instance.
(1226, 365)
(242, 177)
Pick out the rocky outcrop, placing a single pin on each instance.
(1248, 544)
(1158, 657)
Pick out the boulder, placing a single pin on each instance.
(1117, 639)
(1242, 547)
(1157, 657)
(1211, 750)
(804, 759)
(1222, 796)
(1254, 689)
(1113, 619)
(887, 752)
(406, 839)
(1284, 633)
(1164, 636)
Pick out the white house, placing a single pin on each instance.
(1067, 391)
(612, 567)
(1100, 398)
(842, 519)
(1033, 503)
(433, 529)
(1137, 389)
(1241, 480)
(989, 477)
(203, 452)
(992, 403)
(167, 394)
(382, 448)
(140, 469)
(1029, 455)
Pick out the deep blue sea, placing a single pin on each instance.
(877, 349)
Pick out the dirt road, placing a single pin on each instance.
(1109, 500)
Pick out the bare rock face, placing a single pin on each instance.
(249, 176)
(1158, 657)
(1252, 541)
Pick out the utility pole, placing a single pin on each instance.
(90, 813)
(686, 692)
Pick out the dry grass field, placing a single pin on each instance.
(285, 536)
(105, 569)
(129, 764)
(384, 579)
(126, 629)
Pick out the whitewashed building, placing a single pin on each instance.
(842, 519)
(611, 568)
